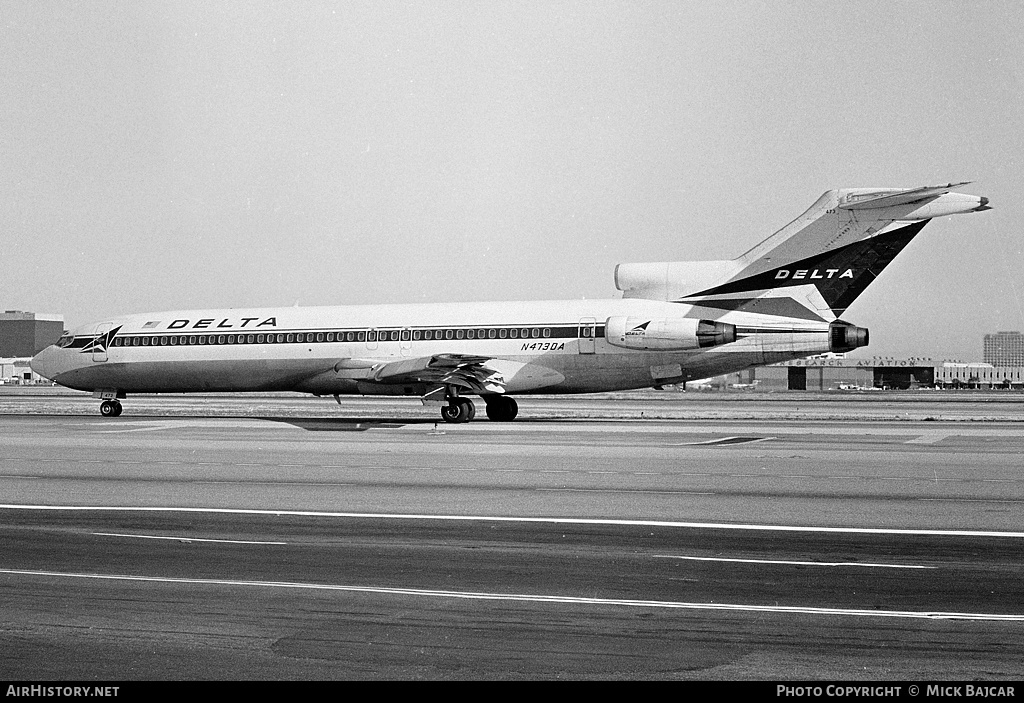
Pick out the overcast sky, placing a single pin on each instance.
(164, 155)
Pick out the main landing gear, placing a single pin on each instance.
(458, 410)
(110, 408)
(500, 408)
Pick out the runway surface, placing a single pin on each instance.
(301, 540)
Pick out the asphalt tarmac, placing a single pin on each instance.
(287, 538)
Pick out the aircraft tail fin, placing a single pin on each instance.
(815, 266)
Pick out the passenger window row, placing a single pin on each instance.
(372, 335)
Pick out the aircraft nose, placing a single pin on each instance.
(47, 362)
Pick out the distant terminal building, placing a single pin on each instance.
(1004, 349)
(836, 372)
(18, 372)
(23, 334)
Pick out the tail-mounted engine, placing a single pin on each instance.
(667, 334)
(844, 337)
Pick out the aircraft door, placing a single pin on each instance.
(588, 334)
(405, 341)
(371, 339)
(99, 349)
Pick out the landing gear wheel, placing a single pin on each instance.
(459, 410)
(110, 408)
(502, 409)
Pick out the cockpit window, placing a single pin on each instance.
(65, 341)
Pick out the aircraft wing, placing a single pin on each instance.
(863, 201)
(461, 370)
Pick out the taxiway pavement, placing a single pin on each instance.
(304, 545)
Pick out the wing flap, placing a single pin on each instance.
(476, 374)
(462, 370)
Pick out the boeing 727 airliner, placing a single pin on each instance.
(675, 321)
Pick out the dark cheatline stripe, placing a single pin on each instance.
(192, 338)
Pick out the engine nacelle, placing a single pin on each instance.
(844, 337)
(667, 334)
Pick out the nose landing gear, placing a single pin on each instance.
(110, 408)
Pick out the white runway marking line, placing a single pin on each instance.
(796, 563)
(183, 539)
(725, 441)
(528, 520)
(930, 438)
(535, 598)
(268, 483)
(622, 490)
(970, 500)
(209, 423)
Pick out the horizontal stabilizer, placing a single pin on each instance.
(891, 198)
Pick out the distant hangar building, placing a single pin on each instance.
(836, 372)
(23, 334)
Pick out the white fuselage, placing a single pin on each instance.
(545, 346)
